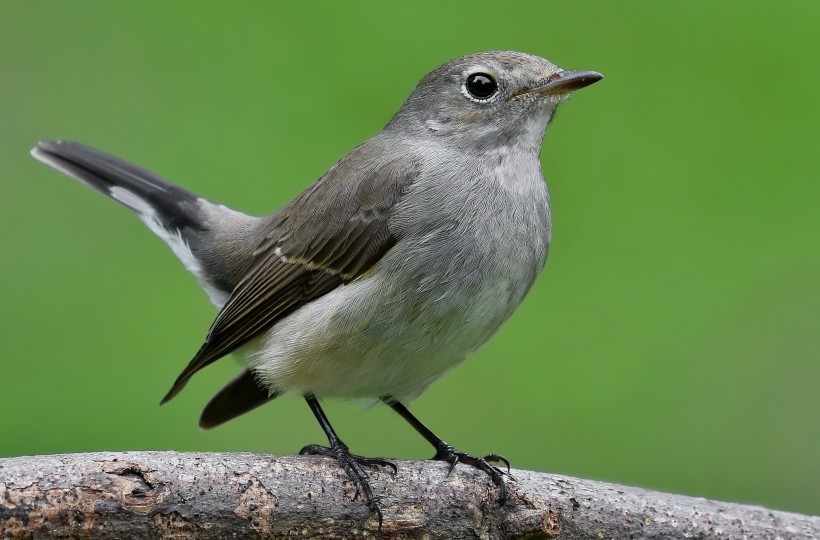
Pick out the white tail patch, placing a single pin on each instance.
(173, 238)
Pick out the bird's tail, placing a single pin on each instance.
(180, 218)
(156, 201)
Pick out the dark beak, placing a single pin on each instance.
(568, 81)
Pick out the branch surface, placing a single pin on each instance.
(210, 495)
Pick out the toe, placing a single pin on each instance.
(496, 458)
(316, 450)
(379, 462)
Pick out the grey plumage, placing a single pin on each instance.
(329, 235)
(214, 242)
(402, 259)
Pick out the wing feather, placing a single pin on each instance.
(329, 235)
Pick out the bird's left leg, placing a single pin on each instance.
(445, 452)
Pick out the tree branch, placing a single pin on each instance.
(168, 494)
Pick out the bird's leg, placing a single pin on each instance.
(445, 452)
(351, 463)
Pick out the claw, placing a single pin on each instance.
(352, 465)
(449, 455)
(452, 456)
(316, 450)
(376, 508)
(379, 462)
(498, 459)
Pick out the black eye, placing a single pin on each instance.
(481, 85)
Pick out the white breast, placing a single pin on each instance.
(454, 277)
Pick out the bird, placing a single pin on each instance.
(385, 273)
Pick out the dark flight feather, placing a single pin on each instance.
(329, 235)
(242, 394)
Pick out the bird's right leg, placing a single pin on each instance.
(351, 463)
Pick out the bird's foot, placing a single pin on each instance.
(352, 465)
(447, 453)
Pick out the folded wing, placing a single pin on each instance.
(332, 233)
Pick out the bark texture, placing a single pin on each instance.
(199, 495)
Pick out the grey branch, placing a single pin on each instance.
(168, 494)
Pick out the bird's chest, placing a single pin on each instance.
(490, 222)
(465, 257)
(472, 262)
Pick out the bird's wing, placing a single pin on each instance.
(244, 393)
(332, 233)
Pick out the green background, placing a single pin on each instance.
(672, 341)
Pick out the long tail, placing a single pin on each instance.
(151, 197)
(180, 218)
(214, 242)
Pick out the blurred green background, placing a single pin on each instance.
(671, 343)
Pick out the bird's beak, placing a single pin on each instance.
(566, 82)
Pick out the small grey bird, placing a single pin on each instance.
(387, 272)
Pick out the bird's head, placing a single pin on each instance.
(491, 99)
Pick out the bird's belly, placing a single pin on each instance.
(375, 337)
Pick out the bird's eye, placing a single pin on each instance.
(481, 86)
